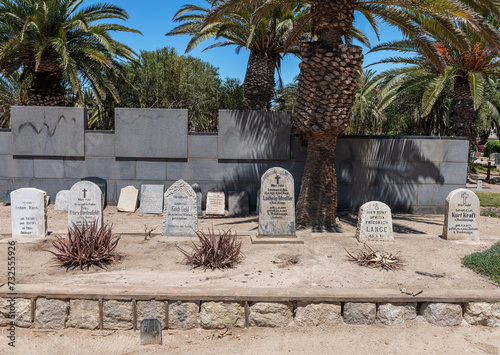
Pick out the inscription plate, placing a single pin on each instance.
(180, 215)
(216, 203)
(277, 203)
(128, 199)
(374, 222)
(152, 198)
(85, 204)
(150, 331)
(461, 219)
(29, 213)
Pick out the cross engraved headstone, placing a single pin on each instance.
(374, 222)
(152, 198)
(180, 216)
(85, 204)
(461, 219)
(277, 203)
(29, 213)
(151, 331)
(103, 185)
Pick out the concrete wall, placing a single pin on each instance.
(153, 146)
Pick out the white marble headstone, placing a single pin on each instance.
(374, 222)
(461, 218)
(152, 198)
(127, 202)
(216, 203)
(180, 216)
(85, 204)
(62, 200)
(29, 213)
(277, 203)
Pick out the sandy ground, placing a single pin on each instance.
(416, 337)
(321, 262)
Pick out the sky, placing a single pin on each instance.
(154, 19)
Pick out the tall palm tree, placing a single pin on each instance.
(264, 39)
(330, 67)
(55, 43)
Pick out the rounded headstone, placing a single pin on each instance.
(62, 200)
(374, 222)
(461, 218)
(180, 215)
(85, 204)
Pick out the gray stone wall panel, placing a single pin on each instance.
(99, 144)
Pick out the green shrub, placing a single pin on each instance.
(491, 147)
(485, 263)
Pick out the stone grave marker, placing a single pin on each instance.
(29, 213)
(128, 199)
(85, 204)
(497, 159)
(103, 185)
(479, 184)
(62, 200)
(180, 215)
(150, 331)
(277, 203)
(374, 222)
(6, 200)
(216, 203)
(461, 218)
(199, 198)
(152, 198)
(238, 203)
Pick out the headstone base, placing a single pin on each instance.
(276, 239)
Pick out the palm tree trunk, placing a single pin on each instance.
(318, 193)
(325, 96)
(463, 116)
(259, 81)
(46, 85)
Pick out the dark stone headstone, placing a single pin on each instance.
(199, 197)
(6, 200)
(150, 331)
(103, 185)
(238, 203)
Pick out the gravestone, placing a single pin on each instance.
(6, 200)
(180, 215)
(150, 331)
(277, 203)
(374, 222)
(216, 203)
(103, 185)
(199, 198)
(128, 199)
(62, 200)
(152, 198)
(257, 205)
(29, 213)
(497, 159)
(461, 218)
(238, 203)
(479, 184)
(85, 204)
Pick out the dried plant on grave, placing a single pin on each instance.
(375, 259)
(86, 246)
(148, 231)
(214, 251)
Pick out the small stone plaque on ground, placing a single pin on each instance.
(199, 197)
(216, 203)
(374, 222)
(152, 198)
(277, 203)
(62, 201)
(461, 218)
(180, 216)
(150, 331)
(29, 213)
(6, 200)
(85, 204)
(238, 204)
(128, 199)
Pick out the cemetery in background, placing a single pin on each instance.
(50, 148)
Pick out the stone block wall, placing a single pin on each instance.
(49, 149)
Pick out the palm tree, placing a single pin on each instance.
(330, 68)
(13, 92)
(55, 43)
(264, 39)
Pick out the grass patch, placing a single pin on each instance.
(488, 199)
(485, 263)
